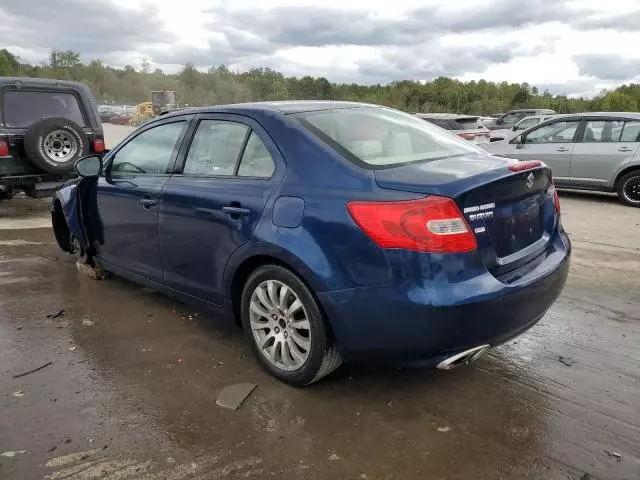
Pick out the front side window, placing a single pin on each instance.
(378, 137)
(557, 132)
(527, 123)
(602, 131)
(150, 152)
(513, 118)
(215, 148)
(21, 108)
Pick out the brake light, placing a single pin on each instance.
(4, 149)
(520, 166)
(466, 135)
(98, 145)
(432, 224)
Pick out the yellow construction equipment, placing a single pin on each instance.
(144, 113)
(164, 100)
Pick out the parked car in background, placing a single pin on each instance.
(330, 230)
(45, 126)
(509, 119)
(464, 126)
(122, 119)
(589, 151)
(525, 124)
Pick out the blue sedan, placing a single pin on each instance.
(330, 231)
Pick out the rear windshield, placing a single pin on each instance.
(379, 137)
(467, 123)
(445, 123)
(21, 108)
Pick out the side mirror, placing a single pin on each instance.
(515, 128)
(519, 142)
(89, 166)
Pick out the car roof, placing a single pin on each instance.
(281, 107)
(531, 110)
(41, 82)
(631, 115)
(452, 116)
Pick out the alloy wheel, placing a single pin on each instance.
(280, 325)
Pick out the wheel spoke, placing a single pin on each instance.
(301, 324)
(277, 351)
(300, 340)
(263, 298)
(256, 308)
(296, 354)
(265, 340)
(271, 291)
(284, 292)
(288, 359)
(295, 306)
(258, 325)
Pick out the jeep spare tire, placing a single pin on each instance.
(54, 144)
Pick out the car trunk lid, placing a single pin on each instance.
(512, 214)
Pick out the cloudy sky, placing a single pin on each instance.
(576, 46)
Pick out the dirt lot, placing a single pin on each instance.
(131, 390)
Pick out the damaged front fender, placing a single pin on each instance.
(66, 215)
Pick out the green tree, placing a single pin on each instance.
(64, 60)
(618, 102)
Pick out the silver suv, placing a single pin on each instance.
(587, 151)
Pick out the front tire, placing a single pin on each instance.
(629, 189)
(285, 327)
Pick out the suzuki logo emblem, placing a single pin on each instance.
(530, 181)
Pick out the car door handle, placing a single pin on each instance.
(147, 203)
(563, 149)
(236, 211)
(624, 149)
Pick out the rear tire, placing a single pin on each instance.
(54, 144)
(629, 188)
(297, 347)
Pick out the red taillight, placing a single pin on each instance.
(98, 145)
(432, 224)
(466, 135)
(520, 166)
(4, 149)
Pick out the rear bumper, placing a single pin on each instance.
(422, 323)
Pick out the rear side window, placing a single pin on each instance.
(215, 148)
(602, 131)
(382, 137)
(256, 159)
(21, 108)
(630, 132)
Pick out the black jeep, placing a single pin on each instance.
(45, 126)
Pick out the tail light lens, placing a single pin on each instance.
(466, 135)
(4, 149)
(520, 166)
(98, 145)
(432, 224)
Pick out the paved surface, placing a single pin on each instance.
(131, 391)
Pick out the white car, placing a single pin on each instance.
(521, 126)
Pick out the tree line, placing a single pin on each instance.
(219, 85)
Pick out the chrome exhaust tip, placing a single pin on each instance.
(463, 358)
